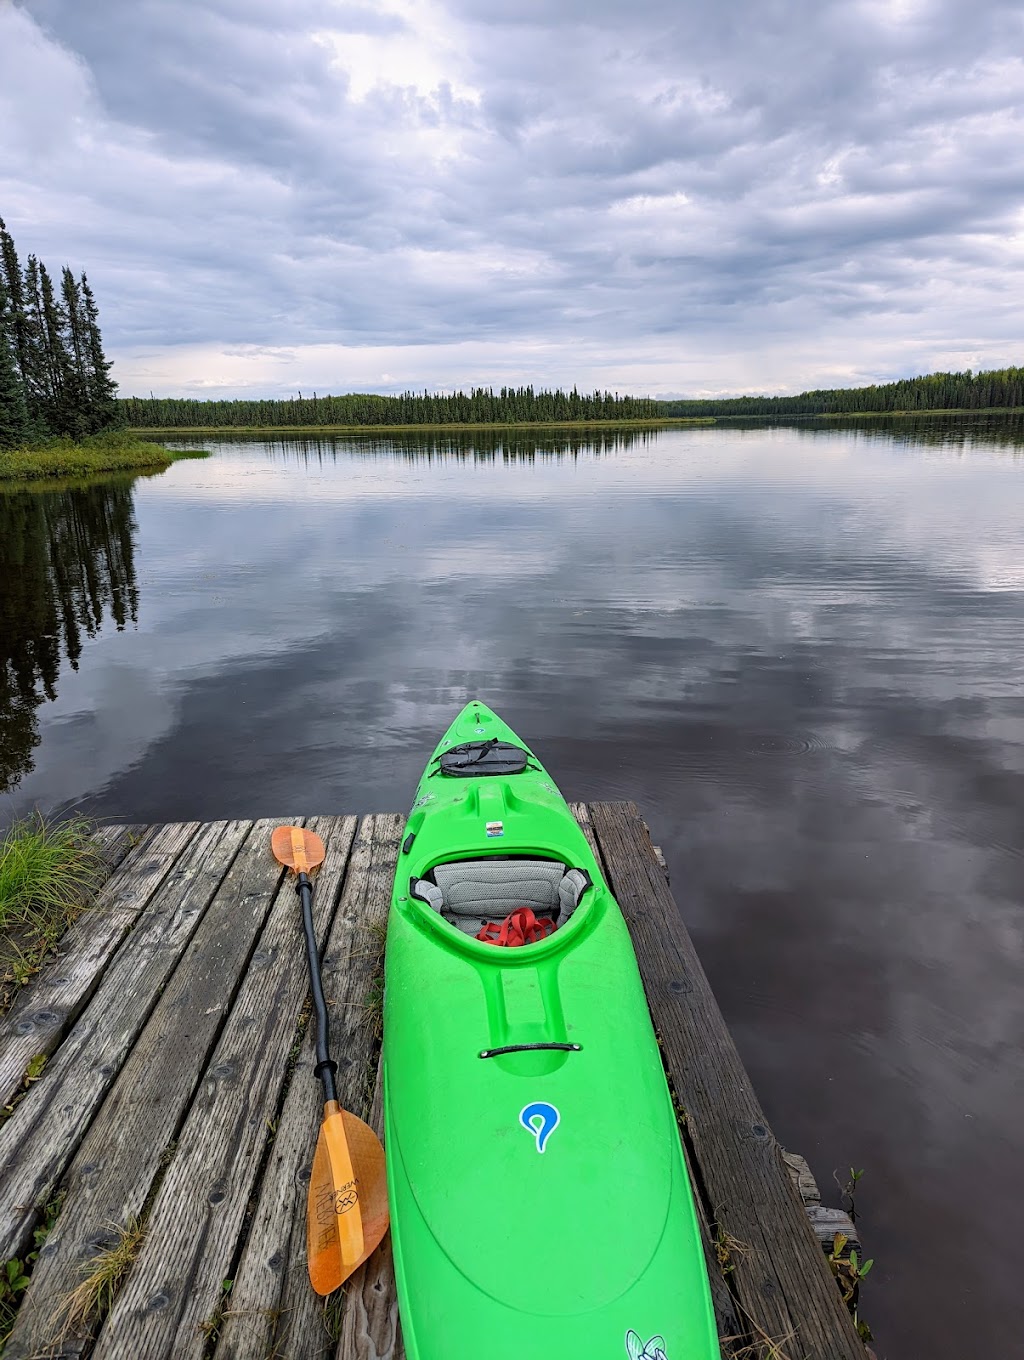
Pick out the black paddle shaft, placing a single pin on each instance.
(325, 1067)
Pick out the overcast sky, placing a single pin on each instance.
(661, 196)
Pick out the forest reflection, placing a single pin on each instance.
(959, 432)
(67, 560)
(506, 444)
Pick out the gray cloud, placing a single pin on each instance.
(657, 196)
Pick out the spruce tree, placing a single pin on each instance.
(39, 393)
(59, 363)
(100, 386)
(10, 269)
(75, 338)
(13, 411)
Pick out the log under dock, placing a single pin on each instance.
(174, 1119)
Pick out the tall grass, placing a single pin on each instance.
(115, 451)
(47, 872)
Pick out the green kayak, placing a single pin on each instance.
(540, 1206)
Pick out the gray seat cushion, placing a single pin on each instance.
(470, 893)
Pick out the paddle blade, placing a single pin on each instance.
(296, 848)
(347, 1209)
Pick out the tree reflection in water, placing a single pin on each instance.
(67, 558)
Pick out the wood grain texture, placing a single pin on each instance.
(582, 814)
(825, 1223)
(42, 1134)
(781, 1281)
(802, 1177)
(174, 1289)
(351, 961)
(727, 1319)
(251, 1320)
(107, 1182)
(45, 1009)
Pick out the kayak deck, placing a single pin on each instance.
(169, 1022)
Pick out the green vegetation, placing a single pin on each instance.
(33, 1071)
(849, 1272)
(946, 392)
(14, 1274)
(54, 377)
(481, 406)
(114, 451)
(47, 872)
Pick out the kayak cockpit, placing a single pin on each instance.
(473, 893)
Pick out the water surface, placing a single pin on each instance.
(799, 650)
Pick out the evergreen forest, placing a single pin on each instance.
(480, 406)
(523, 405)
(965, 391)
(54, 377)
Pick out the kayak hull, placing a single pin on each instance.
(539, 1199)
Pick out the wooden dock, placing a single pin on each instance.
(175, 1117)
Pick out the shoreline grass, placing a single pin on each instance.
(189, 431)
(58, 458)
(48, 872)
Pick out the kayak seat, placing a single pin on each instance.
(469, 893)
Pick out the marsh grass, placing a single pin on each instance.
(47, 872)
(118, 451)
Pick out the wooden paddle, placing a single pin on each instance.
(347, 1206)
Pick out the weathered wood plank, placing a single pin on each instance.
(781, 1279)
(727, 1320)
(802, 1177)
(196, 1219)
(825, 1223)
(45, 1010)
(41, 1136)
(114, 840)
(582, 814)
(273, 1309)
(107, 1182)
(370, 902)
(251, 1317)
(370, 1327)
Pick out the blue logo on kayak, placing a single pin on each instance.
(540, 1119)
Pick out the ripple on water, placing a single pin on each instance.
(708, 752)
(785, 744)
(938, 822)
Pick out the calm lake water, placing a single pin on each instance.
(799, 650)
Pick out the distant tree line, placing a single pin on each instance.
(480, 406)
(935, 392)
(54, 376)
